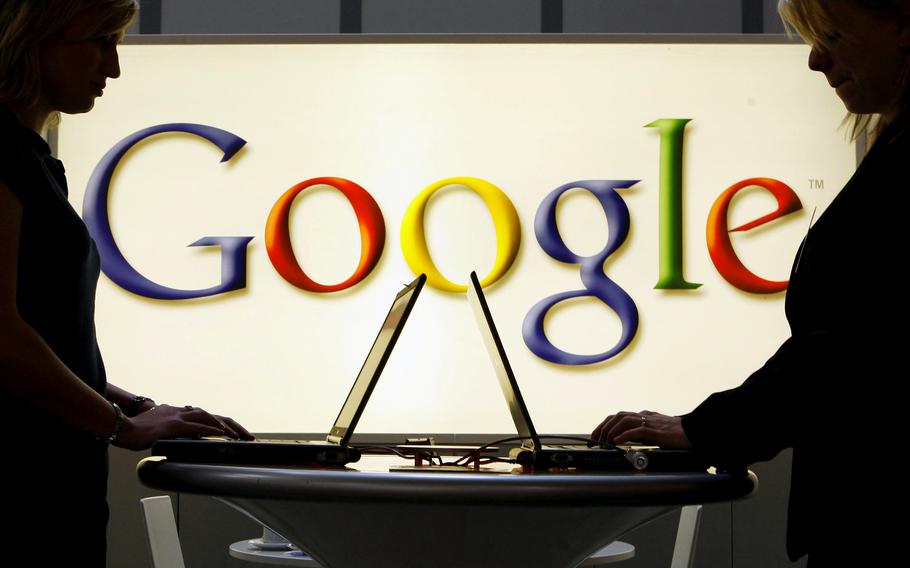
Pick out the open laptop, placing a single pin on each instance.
(532, 452)
(334, 450)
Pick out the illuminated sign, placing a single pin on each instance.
(364, 163)
(505, 220)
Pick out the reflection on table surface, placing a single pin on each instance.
(246, 550)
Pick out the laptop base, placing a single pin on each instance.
(256, 452)
(600, 459)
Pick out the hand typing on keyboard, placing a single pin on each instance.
(164, 421)
(644, 427)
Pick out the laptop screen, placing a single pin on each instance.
(375, 361)
(500, 361)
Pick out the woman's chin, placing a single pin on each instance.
(78, 108)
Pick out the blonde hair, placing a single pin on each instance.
(25, 24)
(816, 21)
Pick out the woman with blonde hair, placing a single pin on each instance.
(829, 390)
(58, 410)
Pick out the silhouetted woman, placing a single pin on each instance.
(830, 391)
(58, 411)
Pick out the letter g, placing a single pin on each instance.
(96, 216)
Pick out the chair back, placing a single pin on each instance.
(161, 529)
(686, 537)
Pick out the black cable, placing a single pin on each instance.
(587, 441)
(475, 453)
(383, 449)
(483, 447)
(492, 459)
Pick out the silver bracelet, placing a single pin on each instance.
(118, 423)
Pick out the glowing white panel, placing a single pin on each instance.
(395, 118)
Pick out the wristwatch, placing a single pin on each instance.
(135, 403)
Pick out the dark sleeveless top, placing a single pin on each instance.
(53, 474)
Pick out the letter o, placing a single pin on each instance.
(278, 237)
(505, 221)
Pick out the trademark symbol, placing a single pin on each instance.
(816, 183)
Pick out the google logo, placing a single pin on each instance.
(507, 228)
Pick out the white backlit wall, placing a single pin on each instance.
(395, 118)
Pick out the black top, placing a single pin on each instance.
(58, 262)
(54, 476)
(816, 393)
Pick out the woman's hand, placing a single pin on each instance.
(163, 421)
(645, 427)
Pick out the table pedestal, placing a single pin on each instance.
(363, 535)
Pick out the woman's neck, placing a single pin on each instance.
(31, 116)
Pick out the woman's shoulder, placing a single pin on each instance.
(893, 143)
(15, 153)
